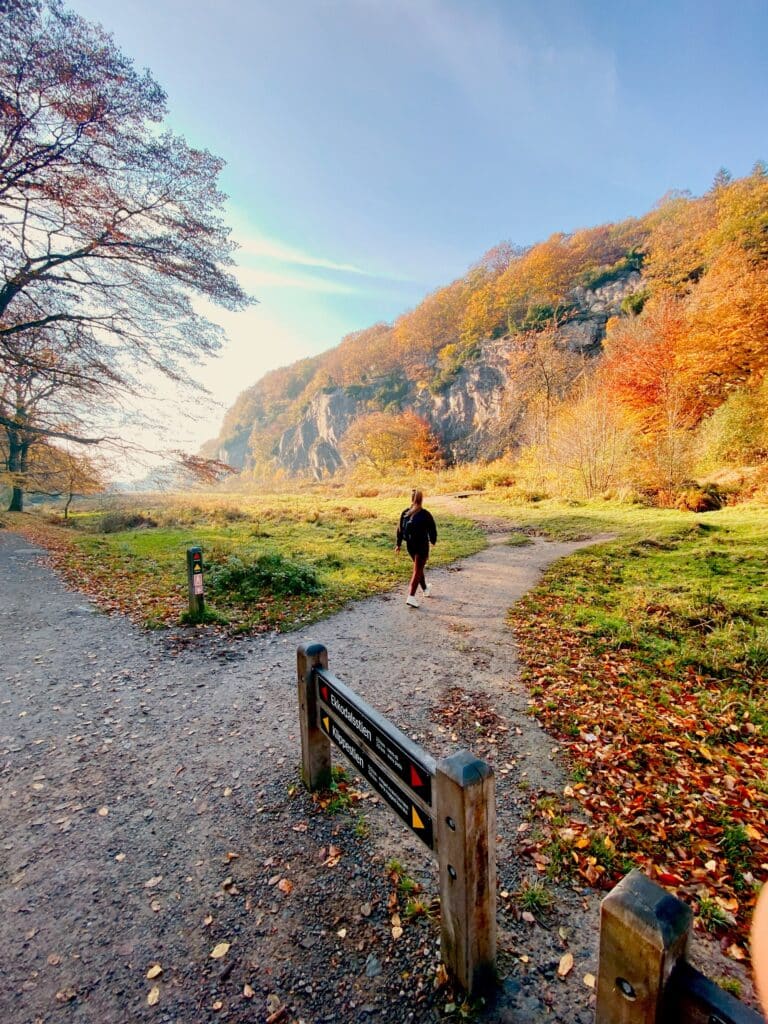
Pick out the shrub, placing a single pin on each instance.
(269, 573)
(700, 499)
(116, 522)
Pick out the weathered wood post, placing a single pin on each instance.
(195, 584)
(315, 745)
(466, 842)
(643, 936)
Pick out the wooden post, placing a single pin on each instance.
(315, 745)
(643, 936)
(195, 584)
(466, 842)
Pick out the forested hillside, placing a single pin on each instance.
(634, 350)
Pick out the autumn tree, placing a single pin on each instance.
(591, 444)
(109, 224)
(384, 441)
(44, 395)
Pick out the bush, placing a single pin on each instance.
(700, 499)
(269, 573)
(116, 522)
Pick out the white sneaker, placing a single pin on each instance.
(411, 600)
(428, 591)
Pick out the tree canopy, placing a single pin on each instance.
(110, 225)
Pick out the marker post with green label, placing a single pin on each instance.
(449, 804)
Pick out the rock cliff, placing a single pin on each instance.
(475, 415)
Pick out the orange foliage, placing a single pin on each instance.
(726, 341)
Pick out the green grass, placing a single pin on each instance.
(656, 643)
(678, 589)
(279, 561)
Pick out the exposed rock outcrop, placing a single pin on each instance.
(475, 415)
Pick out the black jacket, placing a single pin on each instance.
(417, 531)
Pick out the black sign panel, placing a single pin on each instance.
(414, 817)
(414, 773)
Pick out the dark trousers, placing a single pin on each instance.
(419, 561)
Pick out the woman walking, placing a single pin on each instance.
(417, 528)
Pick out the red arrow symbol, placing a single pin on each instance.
(416, 779)
(324, 692)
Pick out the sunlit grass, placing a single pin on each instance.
(346, 545)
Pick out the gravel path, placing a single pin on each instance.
(149, 811)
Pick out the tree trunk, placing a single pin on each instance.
(17, 466)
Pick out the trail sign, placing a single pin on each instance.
(449, 804)
(415, 817)
(411, 765)
(195, 583)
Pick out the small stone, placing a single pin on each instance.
(372, 966)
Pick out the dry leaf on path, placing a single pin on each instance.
(219, 950)
(565, 966)
(103, 812)
(154, 996)
(154, 971)
(589, 980)
(285, 885)
(397, 932)
(248, 991)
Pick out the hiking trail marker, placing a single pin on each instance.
(195, 583)
(449, 804)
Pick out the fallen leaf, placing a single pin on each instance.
(208, 919)
(217, 1005)
(120, 857)
(589, 980)
(736, 952)
(231, 856)
(528, 916)
(153, 881)
(565, 966)
(342, 933)
(334, 856)
(396, 922)
(219, 950)
(103, 812)
(441, 976)
(397, 932)
(228, 791)
(154, 971)
(285, 885)
(156, 905)
(248, 992)
(154, 996)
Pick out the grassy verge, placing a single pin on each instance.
(275, 562)
(648, 658)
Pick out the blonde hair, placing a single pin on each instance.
(417, 498)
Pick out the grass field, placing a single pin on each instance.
(648, 658)
(271, 563)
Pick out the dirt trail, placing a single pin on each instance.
(149, 811)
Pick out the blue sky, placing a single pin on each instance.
(376, 148)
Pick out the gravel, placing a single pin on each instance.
(151, 811)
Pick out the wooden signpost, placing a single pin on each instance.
(195, 584)
(449, 804)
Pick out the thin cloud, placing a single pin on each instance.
(253, 278)
(267, 248)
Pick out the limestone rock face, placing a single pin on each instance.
(313, 444)
(475, 416)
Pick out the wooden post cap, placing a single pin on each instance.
(643, 935)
